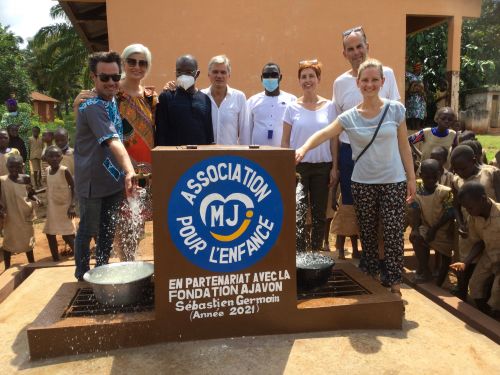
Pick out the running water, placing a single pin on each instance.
(130, 225)
(300, 212)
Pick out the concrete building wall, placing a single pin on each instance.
(482, 110)
(252, 33)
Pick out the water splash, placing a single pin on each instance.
(300, 214)
(130, 225)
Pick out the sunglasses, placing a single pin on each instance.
(134, 62)
(308, 62)
(105, 77)
(353, 30)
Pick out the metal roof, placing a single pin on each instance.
(90, 21)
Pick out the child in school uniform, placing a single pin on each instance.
(463, 162)
(60, 202)
(61, 139)
(48, 140)
(432, 222)
(5, 151)
(35, 152)
(16, 208)
(440, 135)
(344, 224)
(484, 232)
(440, 154)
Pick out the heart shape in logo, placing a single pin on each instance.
(217, 197)
(209, 199)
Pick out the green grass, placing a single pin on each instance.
(490, 143)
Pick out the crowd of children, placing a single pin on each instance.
(455, 212)
(52, 168)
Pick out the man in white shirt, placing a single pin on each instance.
(346, 95)
(266, 109)
(228, 105)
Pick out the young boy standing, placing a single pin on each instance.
(484, 233)
(35, 149)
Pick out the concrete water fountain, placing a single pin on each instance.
(224, 258)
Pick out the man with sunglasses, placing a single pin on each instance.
(266, 109)
(347, 95)
(102, 166)
(184, 115)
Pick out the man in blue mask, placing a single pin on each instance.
(184, 115)
(266, 109)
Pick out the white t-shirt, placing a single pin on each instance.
(381, 163)
(265, 117)
(229, 120)
(305, 123)
(346, 94)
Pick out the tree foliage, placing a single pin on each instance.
(57, 59)
(13, 76)
(480, 65)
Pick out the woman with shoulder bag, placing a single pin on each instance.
(383, 179)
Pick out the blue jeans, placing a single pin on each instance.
(97, 218)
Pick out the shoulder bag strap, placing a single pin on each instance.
(375, 134)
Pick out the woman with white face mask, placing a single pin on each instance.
(301, 120)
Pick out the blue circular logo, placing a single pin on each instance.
(225, 213)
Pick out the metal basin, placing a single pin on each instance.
(120, 284)
(313, 270)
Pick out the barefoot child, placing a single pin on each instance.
(60, 202)
(5, 151)
(17, 209)
(432, 214)
(35, 151)
(484, 232)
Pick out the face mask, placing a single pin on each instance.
(270, 84)
(185, 81)
(13, 113)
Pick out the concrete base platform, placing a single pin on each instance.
(50, 335)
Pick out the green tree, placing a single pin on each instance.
(57, 59)
(13, 76)
(480, 65)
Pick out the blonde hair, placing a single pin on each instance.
(220, 59)
(137, 48)
(371, 63)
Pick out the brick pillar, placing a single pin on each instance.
(453, 60)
